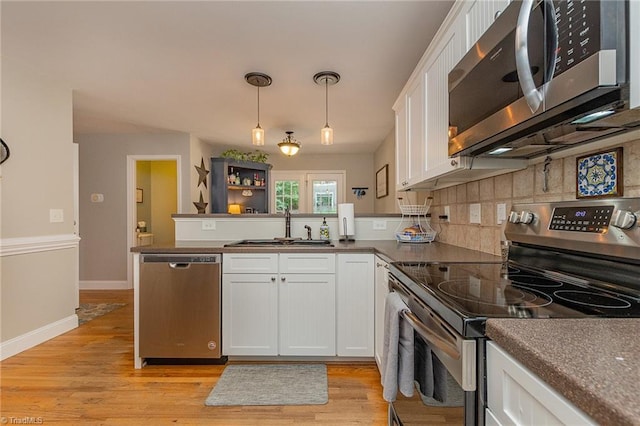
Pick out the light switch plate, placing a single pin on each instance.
(56, 215)
(209, 225)
(474, 213)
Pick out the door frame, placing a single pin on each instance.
(132, 160)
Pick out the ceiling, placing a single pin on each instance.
(157, 66)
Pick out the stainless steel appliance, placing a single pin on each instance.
(577, 259)
(180, 306)
(545, 76)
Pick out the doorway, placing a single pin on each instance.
(153, 191)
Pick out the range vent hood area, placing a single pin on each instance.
(462, 169)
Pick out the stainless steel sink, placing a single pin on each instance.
(279, 242)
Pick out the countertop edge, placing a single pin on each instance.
(532, 355)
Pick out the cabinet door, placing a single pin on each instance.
(478, 16)
(307, 314)
(355, 289)
(516, 396)
(381, 291)
(415, 130)
(401, 144)
(249, 314)
(437, 103)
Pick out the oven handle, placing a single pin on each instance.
(438, 337)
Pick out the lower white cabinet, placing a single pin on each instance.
(284, 304)
(307, 320)
(381, 291)
(355, 289)
(516, 396)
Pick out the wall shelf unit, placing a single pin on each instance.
(245, 183)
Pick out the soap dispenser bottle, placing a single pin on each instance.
(324, 230)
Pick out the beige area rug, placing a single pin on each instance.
(271, 384)
(89, 311)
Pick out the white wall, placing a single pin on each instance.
(38, 258)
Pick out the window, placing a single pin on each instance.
(290, 189)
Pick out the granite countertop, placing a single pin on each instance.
(389, 249)
(594, 363)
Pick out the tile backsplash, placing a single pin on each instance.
(523, 186)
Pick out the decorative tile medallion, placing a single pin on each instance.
(599, 175)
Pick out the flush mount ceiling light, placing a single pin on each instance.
(327, 78)
(289, 146)
(259, 80)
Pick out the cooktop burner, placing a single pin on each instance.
(495, 290)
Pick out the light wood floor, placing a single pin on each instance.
(86, 377)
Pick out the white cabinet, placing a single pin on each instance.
(307, 304)
(381, 291)
(355, 294)
(278, 304)
(250, 304)
(422, 109)
(477, 16)
(516, 396)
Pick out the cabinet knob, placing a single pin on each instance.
(282, 279)
(495, 16)
(273, 279)
(454, 162)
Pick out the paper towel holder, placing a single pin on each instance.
(345, 238)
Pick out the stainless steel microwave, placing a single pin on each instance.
(545, 76)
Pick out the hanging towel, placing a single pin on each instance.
(435, 385)
(397, 354)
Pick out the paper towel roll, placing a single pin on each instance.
(346, 222)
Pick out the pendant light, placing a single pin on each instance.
(327, 78)
(258, 80)
(289, 146)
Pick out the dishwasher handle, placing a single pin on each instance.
(181, 265)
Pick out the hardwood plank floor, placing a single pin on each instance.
(86, 376)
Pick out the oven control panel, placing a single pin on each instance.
(582, 219)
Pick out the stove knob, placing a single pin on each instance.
(514, 217)
(623, 219)
(526, 217)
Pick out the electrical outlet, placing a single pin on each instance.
(501, 213)
(56, 215)
(474, 213)
(447, 213)
(208, 225)
(379, 225)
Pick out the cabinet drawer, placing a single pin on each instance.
(303, 263)
(250, 263)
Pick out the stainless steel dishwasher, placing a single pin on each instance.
(180, 306)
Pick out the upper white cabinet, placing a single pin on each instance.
(422, 109)
(477, 16)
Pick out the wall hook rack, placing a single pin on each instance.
(360, 192)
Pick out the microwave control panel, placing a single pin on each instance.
(581, 219)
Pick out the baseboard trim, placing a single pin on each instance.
(26, 245)
(33, 338)
(104, 285)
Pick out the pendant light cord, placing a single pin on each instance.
(258, 106)
(326, 96)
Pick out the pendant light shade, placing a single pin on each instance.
(327, 78)
(258, 80)
(289, 146)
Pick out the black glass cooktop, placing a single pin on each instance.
(495, 290)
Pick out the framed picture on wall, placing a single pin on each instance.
(138, 195)
(382, 182)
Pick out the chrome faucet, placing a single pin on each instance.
(287, 223)
(308, 228)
